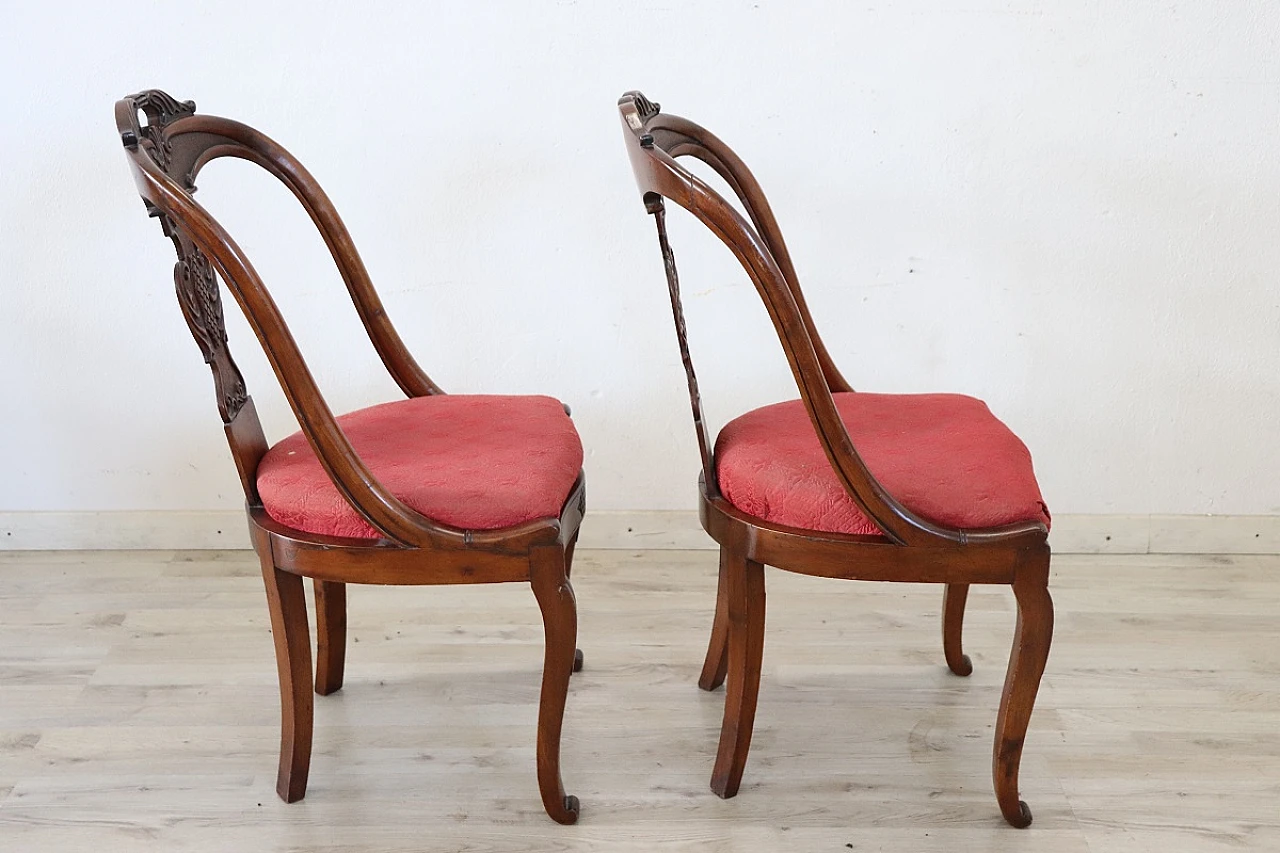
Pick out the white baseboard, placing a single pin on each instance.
(628, 530)
(123, 530)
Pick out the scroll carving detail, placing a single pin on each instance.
(194, 277)
(161, 109)
(645, 107)
(201, 301)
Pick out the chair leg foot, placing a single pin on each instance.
(572, 808)
(1023, 818)
(288, 607)
(331, 635)
(953, 601)
(577, 660)
(745, 618)
(1032, 638)
(560, 622)
(716, 663)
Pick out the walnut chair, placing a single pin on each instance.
(431, 489)
(926, 488)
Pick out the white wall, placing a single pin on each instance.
(1069, 209)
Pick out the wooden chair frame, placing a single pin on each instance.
(911, 549)
(166, 154)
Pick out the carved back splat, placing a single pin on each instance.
(705, 447)
(201, 301)
(194, 277)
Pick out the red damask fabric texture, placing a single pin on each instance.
(943, 456)
(477, 462)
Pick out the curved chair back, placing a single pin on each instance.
(167, 144)
(654, 142)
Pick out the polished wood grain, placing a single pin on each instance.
(167, 143)
(288, 609)
(745, 650)
(331, 635)
(911, 548)
(137, 713)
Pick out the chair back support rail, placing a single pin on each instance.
(654, 141)
(166, 156)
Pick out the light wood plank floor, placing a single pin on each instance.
(138, 711)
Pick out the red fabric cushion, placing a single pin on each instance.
(472, 461)
(944, 456)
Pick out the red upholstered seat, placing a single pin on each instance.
(477, 462)
(944, 456)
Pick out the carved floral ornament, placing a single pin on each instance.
(195, 278)
(160, 109)
(196, 283)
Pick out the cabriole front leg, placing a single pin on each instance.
(1026, 665)
(560, 622)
